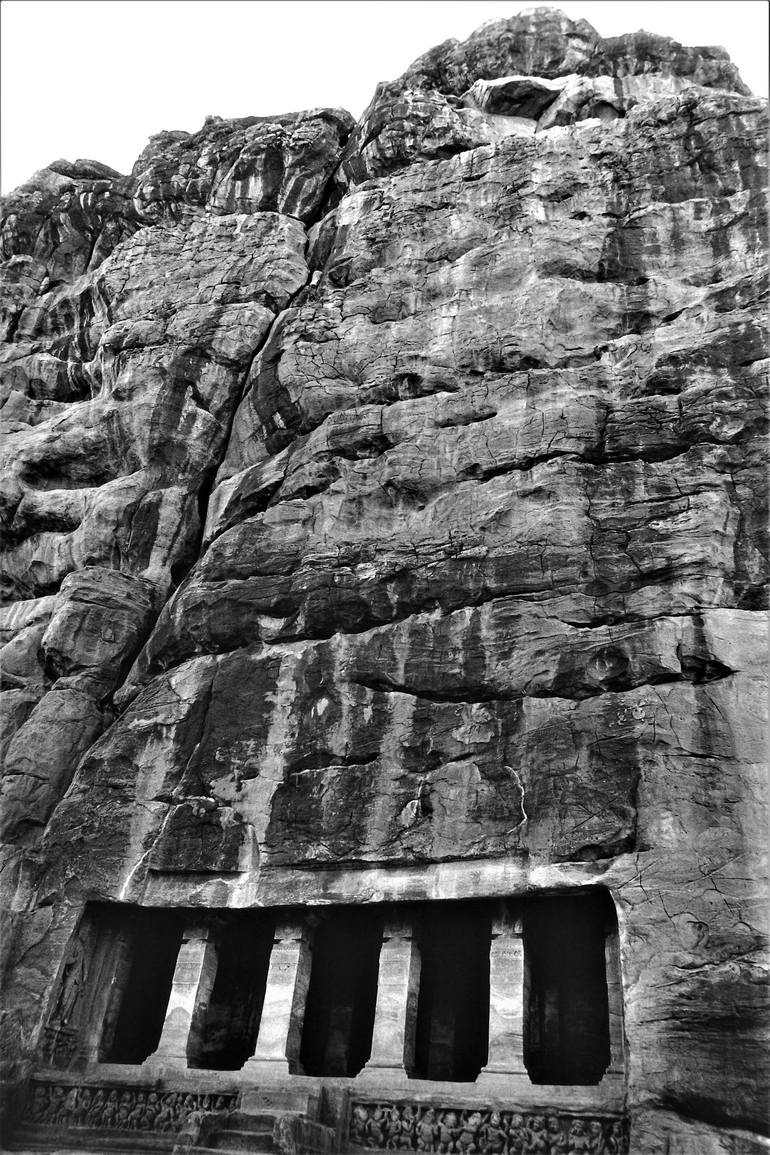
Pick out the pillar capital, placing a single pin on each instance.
(197, 932)
(292, 930)
(507, 921)
(398, 928)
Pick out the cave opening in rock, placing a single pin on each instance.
(566, 1012)
(339, 1014)
(134, 1023)
(230, 1022)
(452, 1030)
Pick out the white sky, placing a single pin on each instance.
(95, 78)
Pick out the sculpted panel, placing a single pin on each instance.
(410, 1127)
(118, 1108)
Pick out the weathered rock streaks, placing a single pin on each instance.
(390, 495)
(121, 384)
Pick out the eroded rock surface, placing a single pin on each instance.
(384, 496)
(120, 383)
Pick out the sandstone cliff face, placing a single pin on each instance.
(389, 496)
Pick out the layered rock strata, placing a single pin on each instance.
(384, 517)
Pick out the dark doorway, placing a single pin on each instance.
(339, 1015)
(566, 1022)
(228, 1033)
(153, 941)
(452, 1031)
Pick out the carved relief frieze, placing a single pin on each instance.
(472, 1131)
(119, 1108)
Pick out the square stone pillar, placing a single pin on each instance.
(614, 1003)
(395, 1015)
(111, 966)
(505, 1060)
(283, 1011)
(196, 968)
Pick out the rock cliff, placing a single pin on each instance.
(380, 498)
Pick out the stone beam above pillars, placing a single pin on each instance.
(395, 1016)
(194, 975)
(505, 1063)
(283, 1011)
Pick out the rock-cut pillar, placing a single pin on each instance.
(614, 1003)
(194, 975)
(505, 1060)
(283, 1011)
(395, 1015)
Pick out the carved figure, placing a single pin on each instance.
(377, 1128)
(358, 1124)
(468, 1134)
(82, 1108)
(97, 1107)
(596, 1138)
(406, 1129)
(47, 1098)
(537, 1142)
(73, 982)
(70, 1104)
(124, 1110)
(175, 1105)
(55, 1103)
(53, 1098)
(427, 1131)
(578, 1140)
(109, 1114)
(39, 1105)
(56, 1097)
(493, 1136)
(136, 1116)
(151, 1112)
(60, 1101)
(394, 1128)
(518, 1135)
(616, 1141)
(447, 1132)
(164, 1120)
(556, 1137)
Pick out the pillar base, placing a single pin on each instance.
(297, 1098)
(270, 1070)
(380, 1073)
(614, 1077)
(498, 1080)
(157, 1066)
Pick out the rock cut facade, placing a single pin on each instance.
(385, 557)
